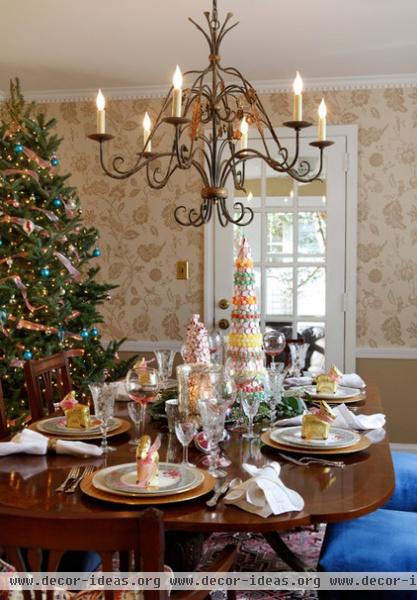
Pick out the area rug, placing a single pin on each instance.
(255, 554)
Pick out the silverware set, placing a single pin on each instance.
(74, 478)
(306, 461)
(212, 502)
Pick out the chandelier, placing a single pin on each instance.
(210, 123)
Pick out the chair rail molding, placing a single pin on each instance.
(391, 352)
(147, 345)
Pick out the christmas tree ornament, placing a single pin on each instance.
(54, 160)
(27, 355)
(3, 316)
(57, 202)
(1, 242)
(18, 148)
(84, 333)
(45, 272)
(94, 332)
(96, 252)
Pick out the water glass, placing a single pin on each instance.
(250, 405)
(135, 413)
(171, 410)
(213, 416)
(215, 342)
(165, 360)
(142, 387)
(185, 430)
(104, 395)
(298, 358)
(275, 381)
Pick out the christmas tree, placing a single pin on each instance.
(49, 296)
(245, 353)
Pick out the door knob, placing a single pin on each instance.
(224, 303)
(224, 324)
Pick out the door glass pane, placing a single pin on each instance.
(279, 291)
(252, 233)
(312, 194)
(311, 291)
(279, 237)
(314, 335)
(312, 233)
(279, 189)
(253, 185)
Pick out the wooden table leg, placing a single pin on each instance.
(280, 547)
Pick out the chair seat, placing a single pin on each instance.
(405, 494)
(382, 541)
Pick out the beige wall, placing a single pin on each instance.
(141, 241)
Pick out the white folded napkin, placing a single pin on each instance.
(264, 493)
(344, 419)
(32, 442)
(352, 380)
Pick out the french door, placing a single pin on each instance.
(303, 241)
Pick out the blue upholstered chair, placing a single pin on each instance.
(405, 494)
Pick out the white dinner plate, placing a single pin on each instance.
(342, 393)
(173, 478)
(57, 426)
(338, 438)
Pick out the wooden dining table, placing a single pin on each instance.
(28, 483)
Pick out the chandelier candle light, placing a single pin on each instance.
(211, 119)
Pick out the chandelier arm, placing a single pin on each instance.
(225, 22)
(200, 29)
(194, 218)
(244, 210)
(153, 179)
(226, 31)
(294, 174)
(223, 220)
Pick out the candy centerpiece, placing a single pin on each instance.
(77, 416)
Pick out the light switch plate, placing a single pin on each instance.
(182, 269)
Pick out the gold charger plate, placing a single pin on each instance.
(363, 444)
(122, 428)
(204, 488)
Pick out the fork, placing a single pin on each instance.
(87, 471)
(73, 474)
(306, 461)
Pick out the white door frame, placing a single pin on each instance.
(350, 132)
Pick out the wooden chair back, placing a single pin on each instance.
(48, 380)
(44, 541)
(3, 418)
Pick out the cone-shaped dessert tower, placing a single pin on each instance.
(245, 338)
(196, 348)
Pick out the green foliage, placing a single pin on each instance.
(49, 294)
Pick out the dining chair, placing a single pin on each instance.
(405, 493)
(48, 380)
(45, 540)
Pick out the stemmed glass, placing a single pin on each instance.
(135, 413)
(298, 358)
(274, 344)
(185, 430)
(104, 395)
(165, 360)
(243, 377)
(142, 387)
(250, 405)
(275, 380)
(213, 417)
(215, 342)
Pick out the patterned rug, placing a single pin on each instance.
(255, 554)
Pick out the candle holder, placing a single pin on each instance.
(321, 144)
(177, 121)
(101, 137)
(197, 381)
(297, 124)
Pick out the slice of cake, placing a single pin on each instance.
(147, 461)
(325, 385)
(77, 416)
(141, 368)
(316, 426)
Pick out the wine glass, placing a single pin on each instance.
(135, 413)
(215, 342)
(142, 386)
(165, 360)
(250, 405)
(243, 375)
(275, 380)
(274, 344)
(185, 430)
(104, 395)
(213, 416)
(298, 358)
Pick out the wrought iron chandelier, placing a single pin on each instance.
(210, 122)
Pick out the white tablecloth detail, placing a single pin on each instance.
(264, 493)
(32, 442)
(344, 419)
(352, 380)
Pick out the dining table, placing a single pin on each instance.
(28, 484)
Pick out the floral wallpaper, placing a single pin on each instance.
(141, 242)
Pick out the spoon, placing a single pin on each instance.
(222, 490)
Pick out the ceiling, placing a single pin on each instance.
(85, 44)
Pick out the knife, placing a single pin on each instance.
(220, 492)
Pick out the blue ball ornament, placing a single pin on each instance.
(96, 252)
(94, 332)
(54, 161)
(1, 242)
(18, 148)
(84, 334)
(45, 272)
(61, 333)
(57, 202)
(27, 355)
(3, 316)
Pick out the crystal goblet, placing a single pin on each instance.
(142, 387)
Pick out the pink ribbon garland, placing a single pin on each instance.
(48, 213)
(21, 286)
(69, 266)
(22, 172)
(33, 156)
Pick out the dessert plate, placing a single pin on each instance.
(338, 438)
(341, 395)
(57, 426)
(173, 478)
